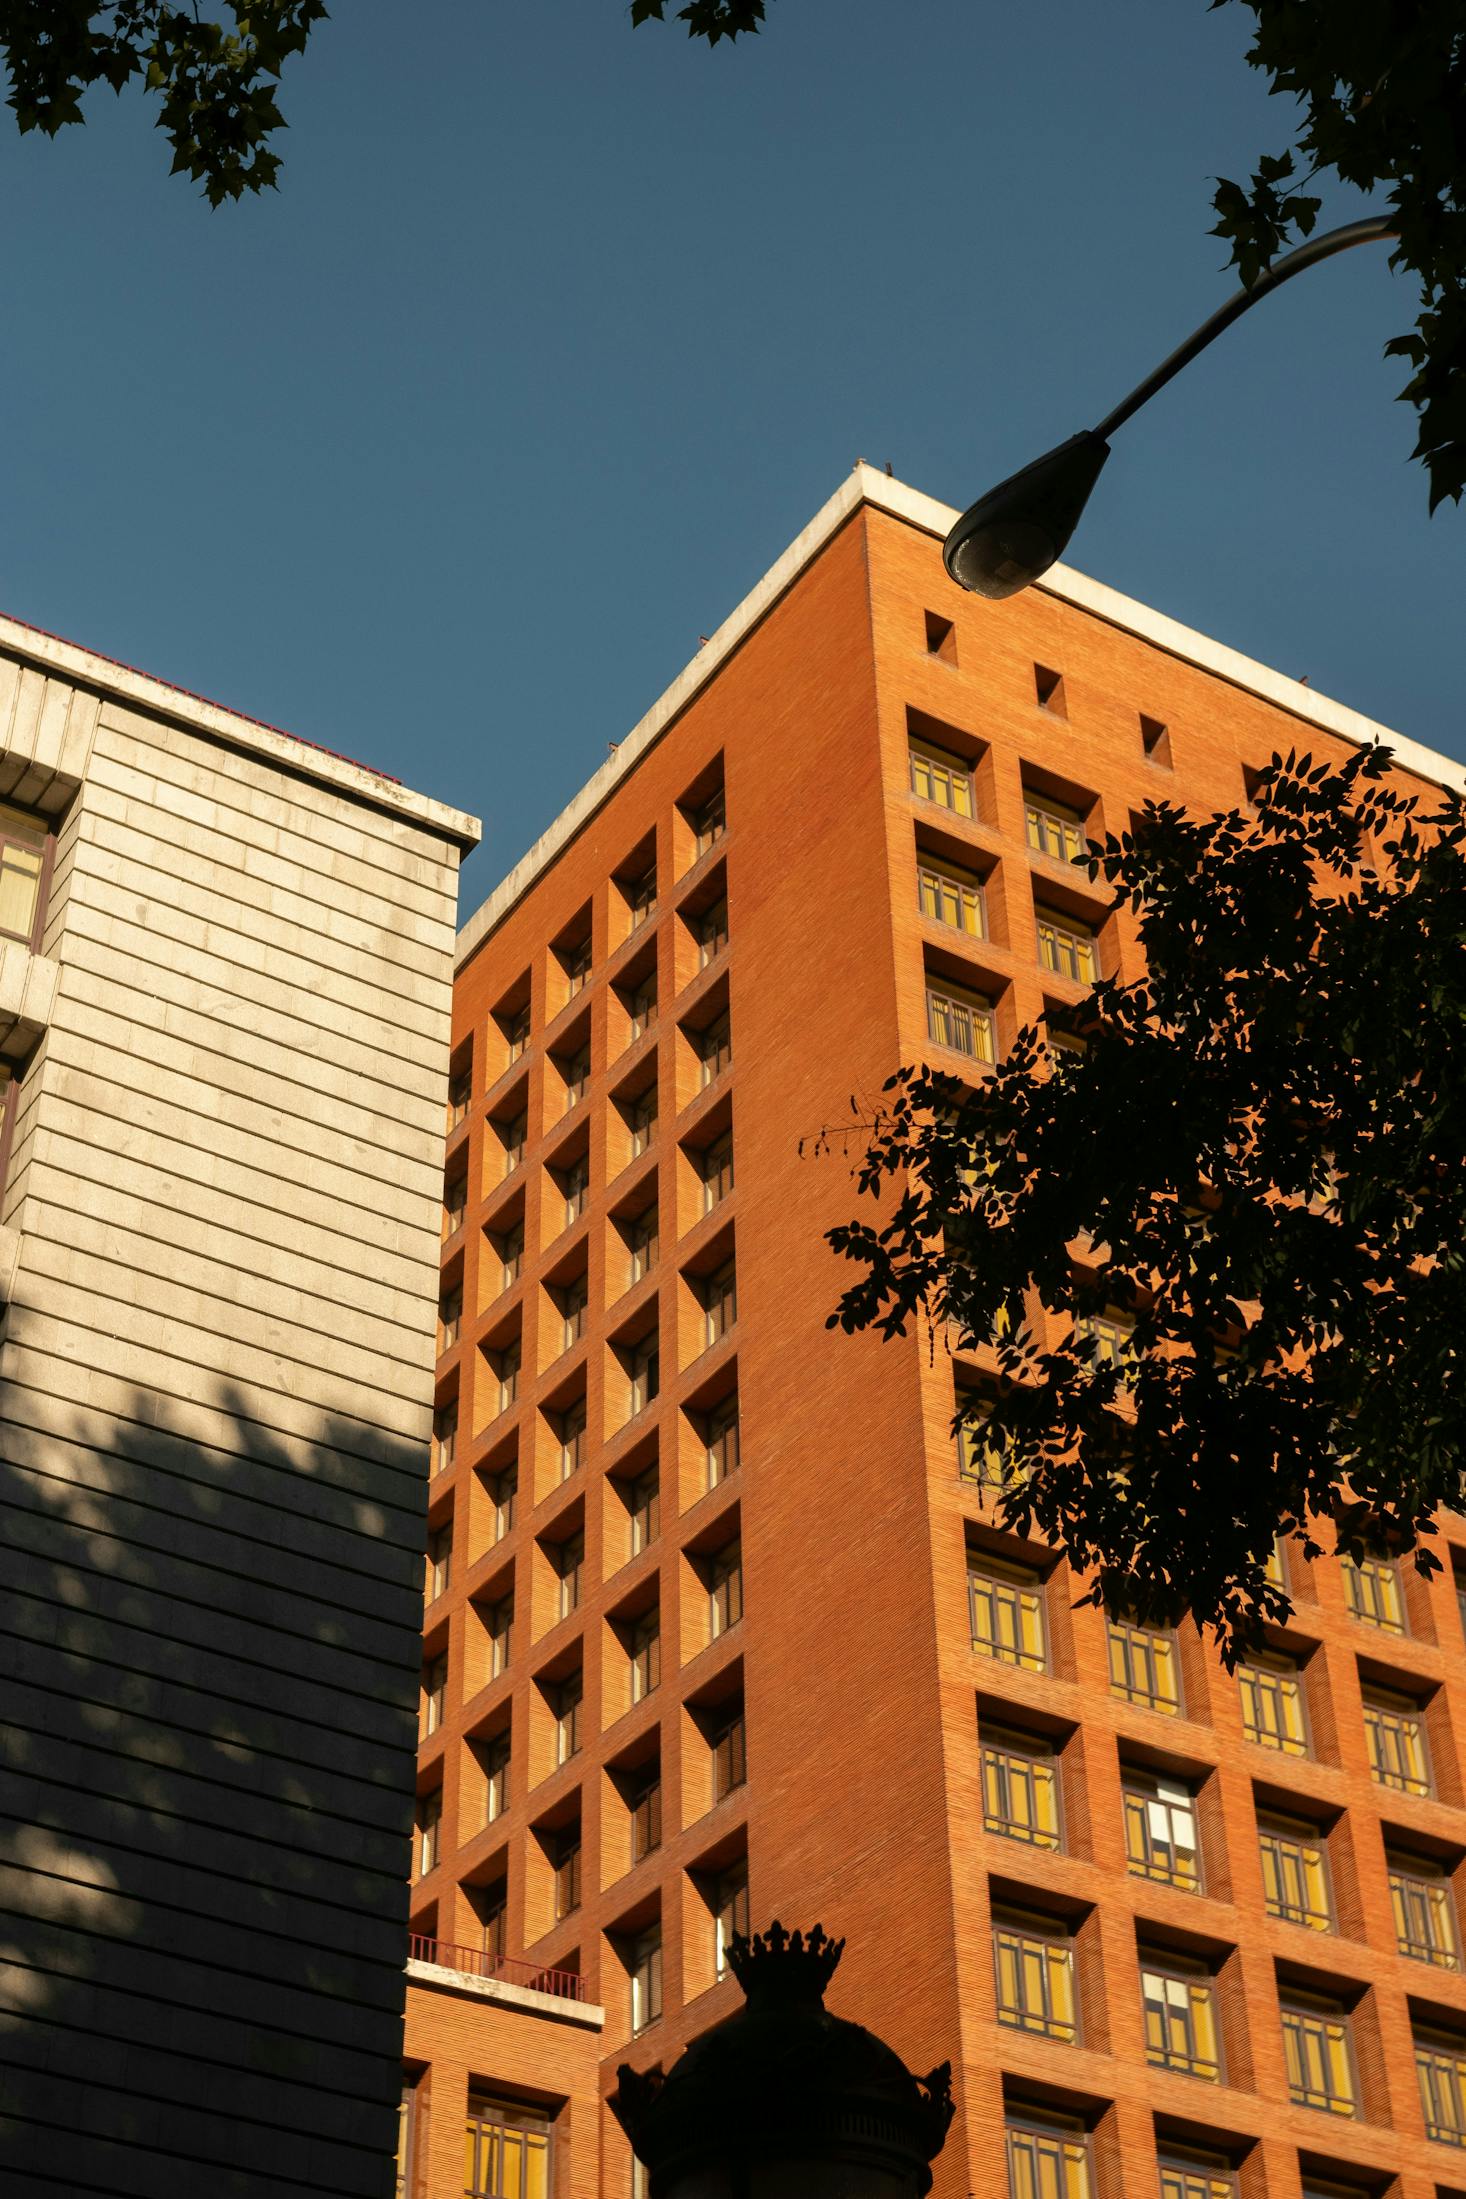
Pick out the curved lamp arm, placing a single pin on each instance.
(1016, 531)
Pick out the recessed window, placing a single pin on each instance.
(1005, 1608)
(1047, 2157)
(941, 638)
(460, 1094)
(641, 895)
(575, 1069)
(575, 960)
(1161, 1838)
(1020, 1789)
(504, 1367)
(641, 1006)
(710, 928)
(646, 1655)
(1109, 1337)
(515, 1026)
(1440, 2066)
(450, 1317)
(568, 1559)
(641, 1242)
(719, 1294)
(641, 1120)
(1067, 947)
(646, 1815)
(445, 1435)
(725, 1589)
(1179, 2005)
(644, 1374)
(434, 1696)
(1033, 1962)
(22, 867)
(1270, 1688)
(1196, 2176)
(729, 1752)
(962, 1020)
(714, 1049)
(565, 1702)
(511, 1131)
(1143, 1667)
(508, 2151)
(646, 1979)
(720, 1439)
(439, 1561)
(709, 821)
(730, 1911)
(429, 1824)
(1295, 1876)
(937, 776)
(565, 1853)
(643, 1504)
(951, 896)
(571, 1299)
(571, 1431)
(1372, 1592)
(455, 1203)
(1155, 740)
(1424, 1912)
(499, 1625)
(1054, 831)
(1319, 2054)
(715, 1167)
(575, 1188)
(1394, 1734)
(503, 1490)
(1048, 686)
(496, 1753)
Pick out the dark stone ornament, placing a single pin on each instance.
(784, 2100)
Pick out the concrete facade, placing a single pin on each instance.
(594, 1090)
(220, 1234)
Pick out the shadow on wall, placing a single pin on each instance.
(211, 1646)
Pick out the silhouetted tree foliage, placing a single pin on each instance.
(1257, 1162)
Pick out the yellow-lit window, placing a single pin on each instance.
(1275, 1572)
(1007, 1614)
(1271, 1691)
(1067, 947)
(1372, 1591)
(939, 777)
(1295, 1879)
(1161, 1839)
(1047, 2160)
(1319, 2061)
(1394, 1733)
(22, 860)
(1440, 2065)
(507, 2154)
(1143, 1666)
(1425, 1916)
(1196, 2176)
(962, 1020)
(952, 897)
(1180, 2021)
(1110, 1335)
(1054, 831)
(1034, 1967)
(1020, 1790)
(981, 1460)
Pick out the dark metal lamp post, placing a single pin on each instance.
(1014, 533)
(784, 2100)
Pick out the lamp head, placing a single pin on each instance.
(1008, 537)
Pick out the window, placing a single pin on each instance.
(566, 1853)
(1440, 2065)
(508, 2152)
(939, 777)
(22, 865)
(565, 1701)
(950, 896)
(641, 1005)
(513, 1130)
(641, 1238)
(722, 1445)
(1295, 1879)
(500, 1622)
(1033, 1962)
(719, 1303)
(980, 1460)
(510, 1248)
(439, 1561)
(1109, 1334)
(1161, 1840)
(1372, 1592)
(1143, 1666)
(641, 896)
(1196, 2176)
(445, 1436)
(575, 1069)
(644, 1504)
(644, 1373)
(961, 1020)
(494, 1907)
(575, 1183)
(646, 1817)
(503, 1487)
(569, 1563)
(729, 1755)
(1425, 1917)
(434, 1695)
(1067, 947)
(1005, 1606)
(573, 1297)
(450, 1318)
(641, 1121)
(646, 1655)
(1320, 2061)
(460, 1082)
(1180, 2018)
(1020, 1790)
(1394, 1733)
(714, 1049)
(1048, 688)
(709, 821)
(1054, 831)
(725, 1590)
(406, 2119)
(1155, 740)
(1047, 2160)
(516, 1033)
(455, 1203)
(711, 929)
(429, 1819)
(505, 1365)
(715, 1166)
(572, 1438)
(646, 1979)
(730, 1911)
(496, 1777)
(1271, 1691)
(576, 961)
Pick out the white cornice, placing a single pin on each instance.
(865, 485)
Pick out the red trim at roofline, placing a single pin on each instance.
(173, 687)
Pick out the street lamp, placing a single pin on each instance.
(1008, 537)
(783, 2100)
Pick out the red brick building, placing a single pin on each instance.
(717, 1628)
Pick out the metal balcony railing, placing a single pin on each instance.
(510, 1969)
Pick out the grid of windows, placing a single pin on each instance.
(1005, 1607)
(1020, 1790)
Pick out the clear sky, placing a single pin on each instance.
(557, 333)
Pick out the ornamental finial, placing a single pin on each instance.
(784, 1968)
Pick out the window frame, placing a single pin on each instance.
(1295, 2011)
(998, 1751)
(996, 1577)
(952, 769)
(1150, 1793)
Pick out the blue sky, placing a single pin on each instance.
(557, 333)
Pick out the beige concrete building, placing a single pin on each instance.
(225, 971)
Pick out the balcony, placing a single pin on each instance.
(495, 1977)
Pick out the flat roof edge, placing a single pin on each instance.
(143, 691)
(866, 485)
